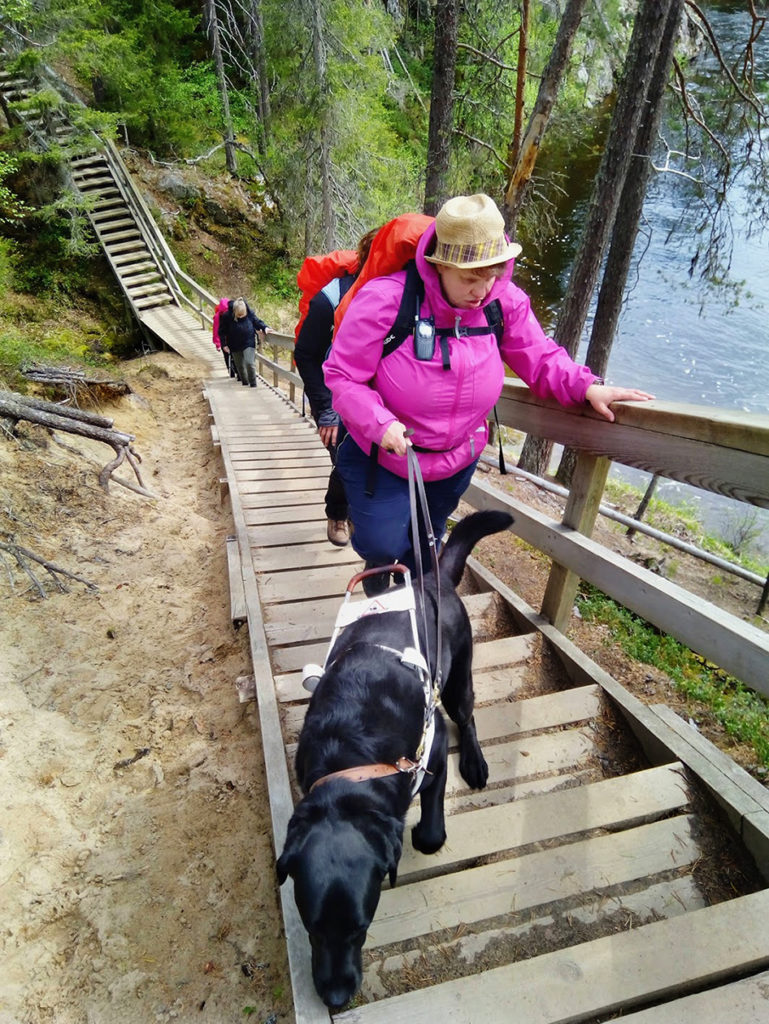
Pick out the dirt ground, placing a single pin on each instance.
(136, 859)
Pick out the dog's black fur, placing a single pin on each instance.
(345, 836)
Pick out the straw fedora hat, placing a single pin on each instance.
(470, 232)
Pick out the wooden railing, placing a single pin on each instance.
(713, 449)
(203, 302)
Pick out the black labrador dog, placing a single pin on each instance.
(368, 709)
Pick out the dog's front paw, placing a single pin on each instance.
(473, 768)
(425, 840)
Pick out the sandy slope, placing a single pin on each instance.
(143, 892)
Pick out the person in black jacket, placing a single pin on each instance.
(310, 351)
(237, 332)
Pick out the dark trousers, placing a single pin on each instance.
(229, 362)
(382, 522)
(336, 499)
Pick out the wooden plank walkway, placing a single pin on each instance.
(563, 888)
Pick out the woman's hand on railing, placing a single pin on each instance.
(601, 396)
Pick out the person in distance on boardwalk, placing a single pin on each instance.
(221, 307)
(310, 351)
(237, 331)
(442, 380)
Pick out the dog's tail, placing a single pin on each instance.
(465, 536)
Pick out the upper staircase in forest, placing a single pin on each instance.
(146, 269)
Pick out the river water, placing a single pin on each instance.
(680, 337)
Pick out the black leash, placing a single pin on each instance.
(417, 490)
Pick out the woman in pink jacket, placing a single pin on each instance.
(443, 381)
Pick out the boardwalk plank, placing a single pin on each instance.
(312, 556)
(285, 533)
(596, 977)
(281, 499)
(297, 488)
(289, 514)
(279, 471)
(533, 880)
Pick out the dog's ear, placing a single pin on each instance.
(284, 866)
(389, 840)
(295, 834)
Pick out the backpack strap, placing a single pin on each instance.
(408, 310)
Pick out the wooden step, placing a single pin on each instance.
(131, 281)
(741, 1002)
(109, 239)
(533, 880)
(132, 257)
(153, 301)
(596, 978)
(621, 802)
(133, 247)
(147, 289)
(93, 184)
(112, 221)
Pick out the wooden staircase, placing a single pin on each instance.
(121, 234)
(122, 225)
(586, 881)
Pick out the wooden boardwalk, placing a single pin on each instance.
(585, 883)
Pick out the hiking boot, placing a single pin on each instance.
(374, 585)
(338, 532)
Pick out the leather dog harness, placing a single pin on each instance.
(401, 599)
(411, 657)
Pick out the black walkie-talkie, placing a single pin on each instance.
(424, 339)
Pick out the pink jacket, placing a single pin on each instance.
(221, 307)
(448, 409)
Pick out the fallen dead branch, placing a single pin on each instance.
(75, 382)
(24, 556)
(17, 407)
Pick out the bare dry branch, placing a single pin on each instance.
(24, 556)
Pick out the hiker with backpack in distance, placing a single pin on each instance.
(238, 326)
(429, 376)
(221, 307)
(313, 339)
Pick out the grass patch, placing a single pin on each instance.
(743, 714)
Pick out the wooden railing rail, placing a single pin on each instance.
(714, 449)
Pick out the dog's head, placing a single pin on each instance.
(338, 862)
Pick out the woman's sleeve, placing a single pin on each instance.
(355, 356)
(539, 361)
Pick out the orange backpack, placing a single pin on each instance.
(316, 272)
(394, 245)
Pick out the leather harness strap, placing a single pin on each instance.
(403, 766)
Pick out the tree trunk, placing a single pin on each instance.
(216, 49)
(328, 223)
(640, 64)
(627, 220)
(524, 155)
(255, 35)
(441, 104)
(520, 83)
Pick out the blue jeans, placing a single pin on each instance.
(382, 523)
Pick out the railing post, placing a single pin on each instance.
(587, 487)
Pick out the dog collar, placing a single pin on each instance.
(403, 766)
